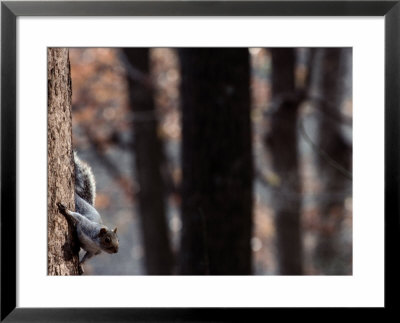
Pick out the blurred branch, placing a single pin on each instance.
(322, 153)
(300, 96)
(319, 103)
(324, 106)
(292, 195)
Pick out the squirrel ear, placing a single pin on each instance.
(115, 230)
(102, 232)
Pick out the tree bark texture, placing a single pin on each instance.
(282, 143)
(217, 168)
(148, 160)
(62, 247)
(330, 259)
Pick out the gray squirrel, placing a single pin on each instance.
(94, 237)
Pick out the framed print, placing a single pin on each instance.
(197, 160)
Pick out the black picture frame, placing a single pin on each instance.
(11, 10)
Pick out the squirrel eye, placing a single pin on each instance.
(107, 239)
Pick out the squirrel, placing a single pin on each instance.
(94, 237)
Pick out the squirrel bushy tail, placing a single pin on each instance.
(85, 184)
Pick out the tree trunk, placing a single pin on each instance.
(282, 143)
(216, 162)
(148, 160)
(330, 257)
(62, 247)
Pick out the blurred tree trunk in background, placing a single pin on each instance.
(334, 181)
(63, 250)
(148, 159)
(216, 162)
(282, 143)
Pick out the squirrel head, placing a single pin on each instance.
(108, 240)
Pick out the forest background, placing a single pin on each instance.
(300, 166)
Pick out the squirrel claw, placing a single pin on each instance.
(80, 270)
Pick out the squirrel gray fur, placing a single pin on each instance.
(94, 237)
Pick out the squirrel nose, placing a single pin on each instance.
(115, 249)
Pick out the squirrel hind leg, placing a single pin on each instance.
(61, 207)
(66, 212)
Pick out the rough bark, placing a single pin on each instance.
(62, 248)
(330, 256)
(282, 143)
(148, 161)
(216, 162)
